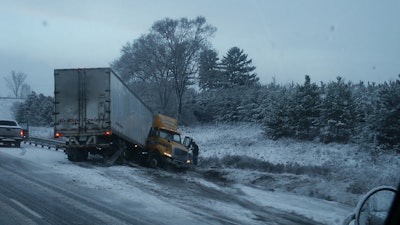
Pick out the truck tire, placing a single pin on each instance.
(72, 154)
(127, 154)
(83, 156)
(154, 161)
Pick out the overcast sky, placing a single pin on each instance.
(358, 40)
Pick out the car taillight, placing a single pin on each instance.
(21, 133)
(57, 134)
(107, 132)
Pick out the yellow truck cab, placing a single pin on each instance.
(165, 146)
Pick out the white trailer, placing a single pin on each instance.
(97, 113)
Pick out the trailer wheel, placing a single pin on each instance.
(71, 155)
(83, 156)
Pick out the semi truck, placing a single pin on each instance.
(164, 144)
(97, 113)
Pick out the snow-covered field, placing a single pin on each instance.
(335, 172)
(319, 181)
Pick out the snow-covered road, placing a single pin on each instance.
(201, 196)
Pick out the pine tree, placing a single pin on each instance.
(238, 69)
(306, 110)
(365, 97)
(337, 112)
(278, 121)
(387, 118)
(210, 76)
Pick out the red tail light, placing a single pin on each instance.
(21, 133)
(107, 132)
(57, 134)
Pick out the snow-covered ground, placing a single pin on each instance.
(125, 180)
(321, 182)
(335, 172)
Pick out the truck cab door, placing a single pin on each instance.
(187, 141)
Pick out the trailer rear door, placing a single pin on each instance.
(82, 101)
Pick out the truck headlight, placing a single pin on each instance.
(167, 154)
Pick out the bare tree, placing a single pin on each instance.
(168, 56)
(25, 91)
(15, 82)
(183, 41)
(143, 67)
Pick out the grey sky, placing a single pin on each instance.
(358, 40)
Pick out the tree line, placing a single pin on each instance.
(163, 66)
(175, 70)
(37, 110)
(337, 111)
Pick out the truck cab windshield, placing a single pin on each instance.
(169, 135)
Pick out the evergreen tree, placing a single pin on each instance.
(236, 104)
(37, 110)
(337, 112)
(238, 69)
(220, 105)
(278, 121)
(364, 97)
(251, 107)
(210, 76)
(306, 110)
(387, 118)
(204, 110)
(228, 106)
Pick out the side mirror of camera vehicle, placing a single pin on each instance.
(373, 208)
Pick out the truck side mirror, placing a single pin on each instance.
(187, 141)
(374, 207)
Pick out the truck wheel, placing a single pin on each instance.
(154, 161)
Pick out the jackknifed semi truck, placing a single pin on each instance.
(95, 112)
